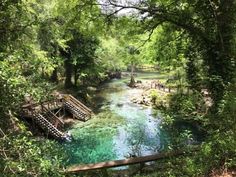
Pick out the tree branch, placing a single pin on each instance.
(127, 6)
(166, 16)
(2, 132)
(115, 12)
(148, 39)
(188, 27)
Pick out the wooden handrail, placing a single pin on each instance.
(76, 105)
(81, 104)
(125, 162)
(48, 106)
(76, 102)
(39, 104)
(49, 123)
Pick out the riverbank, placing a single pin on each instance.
(152, 91)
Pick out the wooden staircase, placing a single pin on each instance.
(43, 114)
(78, 110)
(52, 118)
(48, 126)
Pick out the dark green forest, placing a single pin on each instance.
(70, 46)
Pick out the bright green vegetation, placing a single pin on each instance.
(79, 43)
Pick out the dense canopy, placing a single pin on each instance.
(48, 45)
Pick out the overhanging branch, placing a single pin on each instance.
(163, 15)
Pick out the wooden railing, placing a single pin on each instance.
(27, 109)
(76, 102)
(58, 123)
(50, 105)
(47, 126)
(45, 112)
(130, 161)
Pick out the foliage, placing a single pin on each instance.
(222, 151)
(22, 155)
(186, 106)
(159, 100)
(109, 54)
(194, 41)
(22, 70)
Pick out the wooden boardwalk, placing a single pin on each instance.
(125, 162)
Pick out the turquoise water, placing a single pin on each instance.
(120, 128)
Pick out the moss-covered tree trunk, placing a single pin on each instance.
(66, 54)
(132, 80)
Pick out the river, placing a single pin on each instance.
(119, 129)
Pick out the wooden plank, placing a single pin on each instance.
(124, 162)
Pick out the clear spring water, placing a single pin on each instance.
(119, 130)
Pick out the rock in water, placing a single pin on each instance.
(119, 104)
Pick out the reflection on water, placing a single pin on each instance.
(138, 135)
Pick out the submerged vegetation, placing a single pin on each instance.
(93, 140)
(82, 43)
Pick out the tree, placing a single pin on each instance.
(21, 65)
(83, 53)
(132, 59)
(205, 23)
(79, 28)
(110, 53)
(209, 53)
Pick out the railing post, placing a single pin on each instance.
(104, 172)
(41, 105)
(142, 165)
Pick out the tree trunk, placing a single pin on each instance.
(221, 54)
(43, 73)
(76, 76)
(68, 73)
(54, 76)
(132, 80)
(68, 67)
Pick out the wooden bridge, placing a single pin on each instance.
(49, 114)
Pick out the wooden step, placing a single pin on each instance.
(77, 103)
(47, 126)
(75, 111)
(77, 107)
